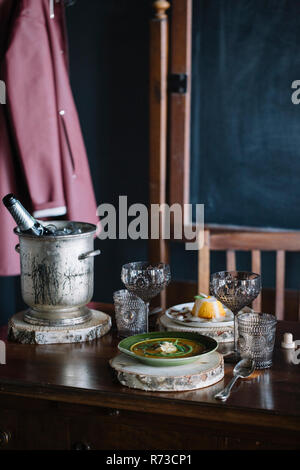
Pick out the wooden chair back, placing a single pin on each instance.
(255, 242)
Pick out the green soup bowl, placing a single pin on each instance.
(162, 359)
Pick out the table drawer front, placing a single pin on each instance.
(8, 429)
(125, 430)
(36, 425)
(32, 431)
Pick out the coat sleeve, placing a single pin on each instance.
(33, 113)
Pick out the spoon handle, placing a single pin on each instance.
(224, 394)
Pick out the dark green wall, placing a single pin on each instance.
(109, 50)
(245, 140)
(245, 128)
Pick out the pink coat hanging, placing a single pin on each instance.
(42, 153)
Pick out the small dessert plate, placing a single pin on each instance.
(182, 314)
(167, 348)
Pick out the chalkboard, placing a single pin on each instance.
(245, 130)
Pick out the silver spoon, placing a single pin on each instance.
(243, 369)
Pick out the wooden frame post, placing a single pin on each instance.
(158, 249)
(180, 101)
(204, 265)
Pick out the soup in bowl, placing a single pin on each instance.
(167, 348)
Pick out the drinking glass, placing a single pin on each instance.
(131, 313)
(145, 280)
(236, 290)
(257, 337)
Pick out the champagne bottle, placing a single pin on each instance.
(25, 221)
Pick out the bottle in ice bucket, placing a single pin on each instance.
(25, 221)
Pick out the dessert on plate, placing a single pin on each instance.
(208, 307)
(204, 311)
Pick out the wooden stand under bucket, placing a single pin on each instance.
(20, 331)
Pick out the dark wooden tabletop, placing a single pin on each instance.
(80, 373)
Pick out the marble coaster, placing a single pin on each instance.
(224, 334)
(199, 374)
(21, 332)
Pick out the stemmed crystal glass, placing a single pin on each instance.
(236, 290)
(145, 280)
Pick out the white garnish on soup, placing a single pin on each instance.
(167, 347)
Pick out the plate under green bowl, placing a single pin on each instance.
(209, 343)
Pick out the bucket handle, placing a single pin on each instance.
(17, 248)
(89, 254)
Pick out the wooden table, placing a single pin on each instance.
(66, 396)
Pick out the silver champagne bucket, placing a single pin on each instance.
(57, 275)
